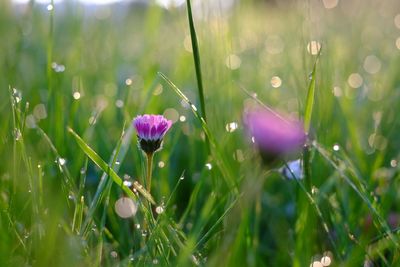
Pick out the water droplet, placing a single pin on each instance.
(117, 162)
(393, 163)
(182, 178)
(182, 118)
(208, 166)
(71, 196)
(76, 95)
(336, 147)
(128, 82)
(276, 82)
(61, 161)
(316, 264)
(137, 226)
(231, 127)
(314, 47)
(314, 190)
(50, 7)
(326, 261)
(159, 209)
(161, 164)
(155, 261)
(125, 207)
(17, 134)
(127, 183)
(193, 107)
(144, 232)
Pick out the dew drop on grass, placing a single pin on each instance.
(155, 261)
(127, 183)
(128, 82)
(125, 207)
(182, 118)
(161, 164)
(326, 261)
(316, 264)
(76, 95)
(159, 209)
(61, 161)
(336, 147)
(314, 190)
(49, 7)
(393, 163)
(144, 232)
(137, 226)
(208, 166)
(276, 82)
(314, 47)
(231, 127)
(17, 134)
(117, 162)
(193, 107)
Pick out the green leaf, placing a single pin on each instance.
(310, 97)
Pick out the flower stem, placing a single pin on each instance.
(149, 170)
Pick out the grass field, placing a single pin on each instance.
(73, 77)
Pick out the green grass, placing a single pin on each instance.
(64, 159)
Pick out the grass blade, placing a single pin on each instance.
(310, 97)
(196, 58)
(106, 168)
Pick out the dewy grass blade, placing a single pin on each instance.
(363, 195)
(106, 168)
(310, 97)
(196, 58)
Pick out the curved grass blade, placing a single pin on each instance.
(360, 191)
(106, 168)
(196, 58)
(310, 97)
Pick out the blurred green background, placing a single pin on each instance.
(95, 67)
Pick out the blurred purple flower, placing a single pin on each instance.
(150, 131)
(274, 135)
